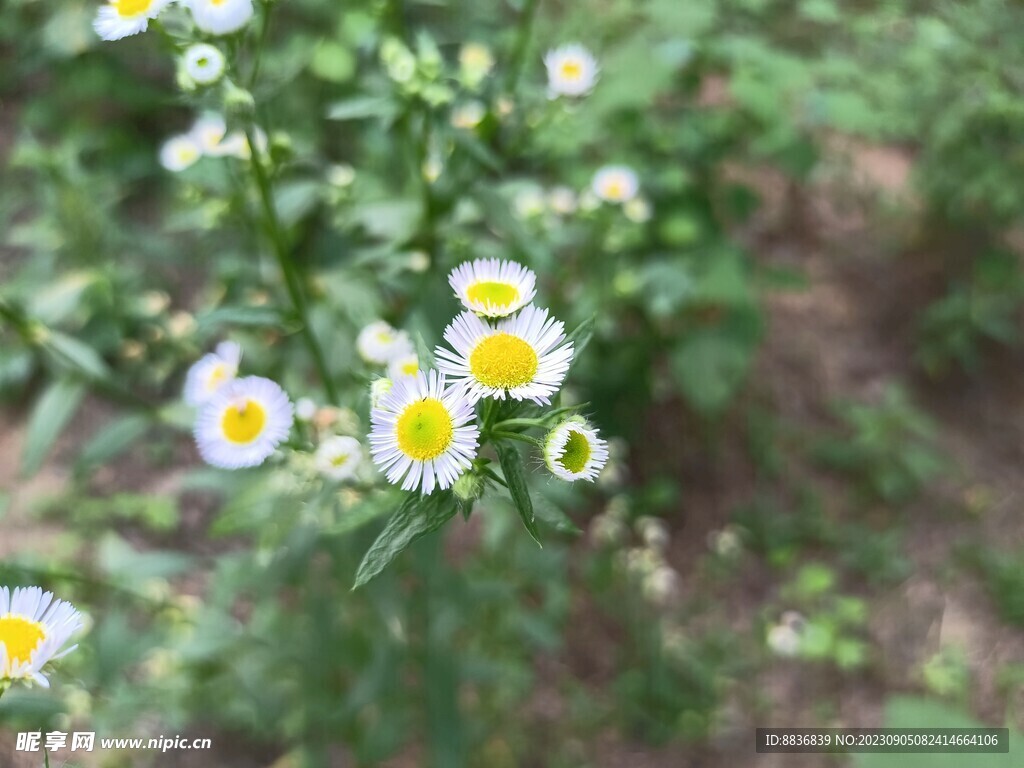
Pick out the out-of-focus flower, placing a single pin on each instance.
(475, 63)
(220, 17)
(181, 324)
(211, 372)
(341, 175)
(379, 343)
(379, 388)
(606, 530)
(404, 365)
(424, 434)
(179, 153)
(33, 629)
(529, 203)
(121, 18)
(305, 409)
(468, 115)
(653, 532)
(637, 210)
(398, 60)
(784, 640)
(244, 422)
(662, 585)
(208, 131)
(204, 63)
(339, 457)
(573, 451)
(522, 357)
(726, 542)
(432, 168)
(419, 261)
(493, 288)
(572, 70)
(615, 184)
(562, 201)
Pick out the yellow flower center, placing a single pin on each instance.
(424, 429)
(503, 361)
(572, 70)
(614, 189)
(411, 368)
(243, 424)
(384, 337)
(341, 458)
(126, 8)
(20, 636)
(577, 452)
(489, 292)
(218, 375)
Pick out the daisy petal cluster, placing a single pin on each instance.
(574, 451)
(424, 434)
(122, 18)
(572, 70)
(34, 627)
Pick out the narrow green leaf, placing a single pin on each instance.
(361, 107)
(418, 516)
(52, 412)
(75, 356)
(112, 440)
(515, 476)
(580, 336)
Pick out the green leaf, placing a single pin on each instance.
(418, 516)
(362, 107)
(581, 336)
(112, 440)
(52, 412)
(75, 356)
(515, 476)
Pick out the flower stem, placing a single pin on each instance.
(281, 250)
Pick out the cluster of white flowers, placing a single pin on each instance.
(123, 18)
(240, 421)
(208, 137)
(501, 347)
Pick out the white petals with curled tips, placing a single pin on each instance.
(572, 70)
(211, 372)
(33, 629)
(522, 357)
(424, 434)
(244, 422)
(220, 17)
(574, 451)
(492, 287)
(122, 18)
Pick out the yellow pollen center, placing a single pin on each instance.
(217, 376)
(20, 636)
(384, 337)
(577, 452)
(132, 7)
(243, 424)
(340, 459)
(571, 70)
(424, 429)
(411, 368)
(498, 294)
(615, 189)
(503, 361)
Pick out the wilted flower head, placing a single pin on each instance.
(121, 18)
(572, 70)
(33, 629)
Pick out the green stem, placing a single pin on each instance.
(490, 411)
(508, 424)
(291, 275)
(261, 43)
(522, 44)
(517, 436)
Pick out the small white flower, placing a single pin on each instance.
(493, 288)
(468, 115)
(637, 210)
(220, 17)
(305, 409)
(33, 628)
(424, 434)
(615, 184)
(379, 388)
(562, 201)
(208, 131)
(522, 357)
(243, 423)
(211, 372)
(379, 343)
(404, 365)
(419, 261)
(338, 457)
(573, 451)
(204, 63)
(179, 153)
(121, 18)
(572, 70)
(475, 63)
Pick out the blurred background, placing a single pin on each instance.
(807, 357)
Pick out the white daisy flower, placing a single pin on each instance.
(404, 365)
(572, 70)
(179, 153)
(493, 288)
(204, 63)
(122, 18)
(220, 17)
(522, 357)
(379, 343)
(211, 372)
(615, 184)
(243, 423)
(424, 434)
(208, 131)
(379, 388)
(338, 457)
(33, 628)
(573, 451)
